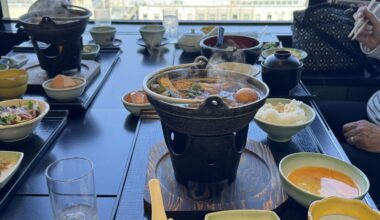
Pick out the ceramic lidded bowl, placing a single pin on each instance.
(281, 71)
(13, 83)
(103, 35)
(338, 208)
(152, 34)
(305, 159)
(189, 41)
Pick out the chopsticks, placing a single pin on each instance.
(360, 24)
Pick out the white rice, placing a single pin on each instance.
(284, 114)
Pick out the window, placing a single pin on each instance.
(188, 9)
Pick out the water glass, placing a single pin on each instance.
(102, 12)
(170, 22)
(71, 189)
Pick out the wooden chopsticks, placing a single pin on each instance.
(360, 24)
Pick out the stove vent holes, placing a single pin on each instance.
(240, 139)
(177, 143)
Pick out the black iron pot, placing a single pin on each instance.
(205, 142)
(243, 49)
(61, 31)
(282, 72)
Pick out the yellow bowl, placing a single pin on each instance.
(13, 83)
(338, 208)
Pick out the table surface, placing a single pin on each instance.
(112, 138)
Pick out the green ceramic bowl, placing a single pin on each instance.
(3, 66)
(242, 215)
(298, 160)
(300, 54)
(283, 133)
(90, 51)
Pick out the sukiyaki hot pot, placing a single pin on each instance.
(205, 127)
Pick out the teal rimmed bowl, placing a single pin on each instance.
(299, 160)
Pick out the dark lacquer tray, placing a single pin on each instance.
(34, 147)
(107, 60)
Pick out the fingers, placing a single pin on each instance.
(370, 16)
(359, 13)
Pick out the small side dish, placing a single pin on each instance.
(135, 102)
(10, 115)
(64, 88)
(242, 215)
(9, 162)
(334, 208)
(308, 177)
(13, 83)
(90, 51)
(283, 118)
(19, 117)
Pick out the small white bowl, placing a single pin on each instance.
(134, 108)
(15, 158)
(11, 133)
(65, 94)
(280, 132)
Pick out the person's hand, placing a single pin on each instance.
(363, 134)
(370, 35)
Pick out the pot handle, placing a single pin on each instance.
(212, 103)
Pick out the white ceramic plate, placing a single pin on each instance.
(15, 158)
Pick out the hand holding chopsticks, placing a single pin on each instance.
(362, 22)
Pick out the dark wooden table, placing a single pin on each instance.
(118, 143)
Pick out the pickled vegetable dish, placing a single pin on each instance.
(10, 115)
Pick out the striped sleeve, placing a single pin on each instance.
(375, 53)
(373, 108)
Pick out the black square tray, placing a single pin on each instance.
(34, 148)
(107, 61)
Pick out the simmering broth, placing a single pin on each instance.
(324, 182)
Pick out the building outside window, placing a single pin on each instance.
(187, 9)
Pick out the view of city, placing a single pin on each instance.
(251, 10)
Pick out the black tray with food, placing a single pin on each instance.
(95, 72)
(33, 148)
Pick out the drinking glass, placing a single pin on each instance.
(102, 12)
(72, 189)
(170, 22)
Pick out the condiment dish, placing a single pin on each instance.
(13, 83)
(15, 132)
(134, 108)
(242, 215)
(339, 208)
(65, 94)
(90, 51)
(300, 160)
(282, 132)
(15, 159)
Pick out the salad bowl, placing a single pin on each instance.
(19, 124)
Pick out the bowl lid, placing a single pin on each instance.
(283, 60)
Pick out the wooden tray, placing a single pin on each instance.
(34, 148)
(257, 185)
